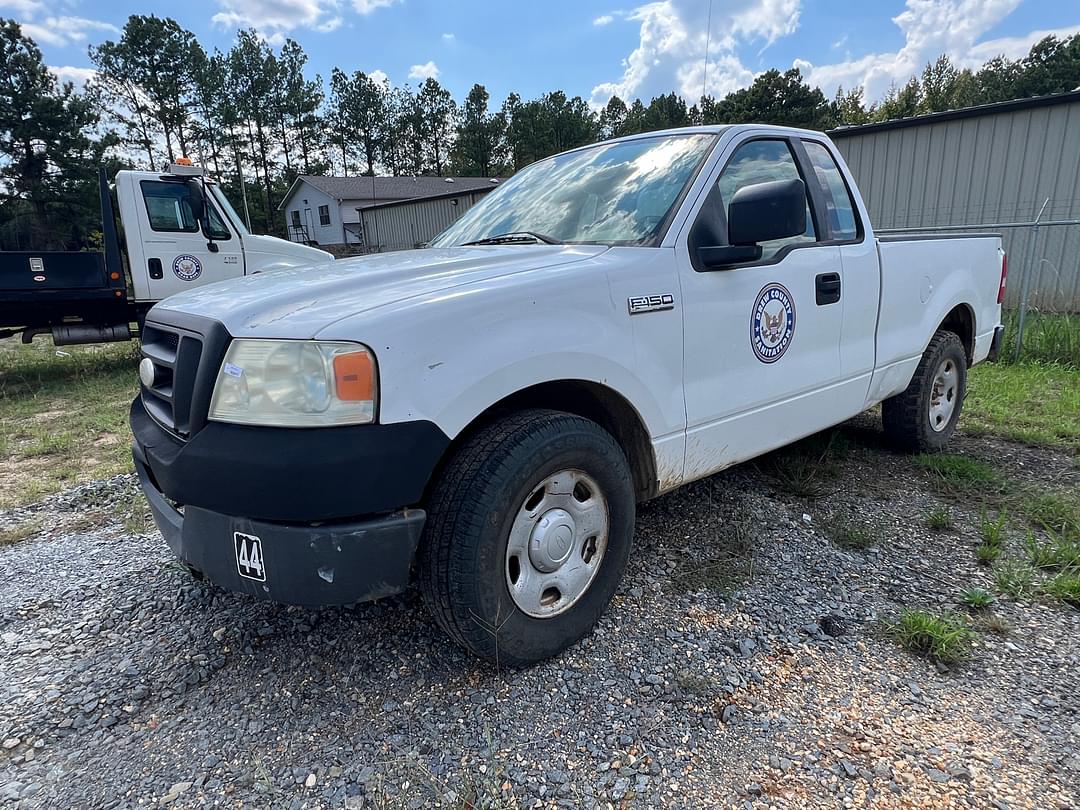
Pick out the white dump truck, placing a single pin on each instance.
(162, 233)
(482, 416)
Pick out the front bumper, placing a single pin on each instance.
(338, 563)
(330, 507)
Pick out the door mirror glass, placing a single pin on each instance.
(764, 212)
(196, 200)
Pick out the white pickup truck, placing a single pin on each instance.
(482, 416)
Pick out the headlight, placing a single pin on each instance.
(295, 383)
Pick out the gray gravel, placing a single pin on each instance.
(763, 680)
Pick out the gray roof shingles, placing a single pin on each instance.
(389, 189)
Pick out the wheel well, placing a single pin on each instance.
(961, 321)
(591, 401)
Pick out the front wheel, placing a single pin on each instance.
(528, 533)
(923, 417)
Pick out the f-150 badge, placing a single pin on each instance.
(650, 303)
(772, 323)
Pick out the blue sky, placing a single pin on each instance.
(584, 47)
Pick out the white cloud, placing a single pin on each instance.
(26, 8)
(931, 28)
(61, 31)
(379, 76)
(672, 43)
(78, 76)
(602, 20)
(428, 70)
(448, 37)
(368, 6)
(274, 19)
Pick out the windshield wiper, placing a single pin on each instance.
(515, 236)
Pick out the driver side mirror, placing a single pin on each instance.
(758, 213)
(197, 201)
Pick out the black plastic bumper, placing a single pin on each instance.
(291, 474)
(328, 564)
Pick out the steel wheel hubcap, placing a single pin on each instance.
(556, 544)
(944, 394)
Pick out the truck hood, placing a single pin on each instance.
(299, 302)
(270, 253)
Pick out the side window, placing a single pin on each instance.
(324, 215)
(169, 210)
(839, 207)
(760, 162)
(168, 207)
(296, 218)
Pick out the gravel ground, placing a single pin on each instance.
(745, 662)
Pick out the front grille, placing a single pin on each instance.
(175, 354)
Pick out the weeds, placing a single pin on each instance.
(940, 518)
(1055, 511)
(1066, 587)
(806, 468)
(1048, 338)
(993, 531)
(19, 532)
(977, 598)
(847, 535)
(1014, 579)
(994, 623)
(1055, 553)
(940, 637)
(960, 475)
(987, 554)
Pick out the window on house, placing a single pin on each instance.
(324, 215)
(296, 219)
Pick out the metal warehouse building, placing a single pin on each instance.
(991, 166)
(377, 213)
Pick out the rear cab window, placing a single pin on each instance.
(843, 221)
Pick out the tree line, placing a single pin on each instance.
(258, 119)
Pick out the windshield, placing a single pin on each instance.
(614, 193)
(219, 195)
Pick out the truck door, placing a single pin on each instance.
(174, 251)
(762, 340)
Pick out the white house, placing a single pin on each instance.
(383, 213)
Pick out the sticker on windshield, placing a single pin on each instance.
(772, 323)
(187, 268)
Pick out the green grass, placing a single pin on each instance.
(1034, 403)
(993, 531)
(1014, 579)
(940, 518)
(941, 637)
(848, 535)
(1066, 587)
(1055, 511)
(1048, 338)
(63, 415)
(977, 598)
(1057, 552)
(960, 474)
(987, 554)
(19, 532)
(807, 468)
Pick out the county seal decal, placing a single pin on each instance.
(772, 323)
(187, 268)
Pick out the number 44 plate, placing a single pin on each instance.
(249, 556)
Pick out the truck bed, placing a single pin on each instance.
(919, 280)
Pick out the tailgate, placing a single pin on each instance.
(52, 270)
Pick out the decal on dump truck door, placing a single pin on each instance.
(772, 323)
(187, 268)
(249, 556)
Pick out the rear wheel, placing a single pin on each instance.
(923, 417)
(528, 533)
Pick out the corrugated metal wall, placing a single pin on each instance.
(995, 167)
(409, 225)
